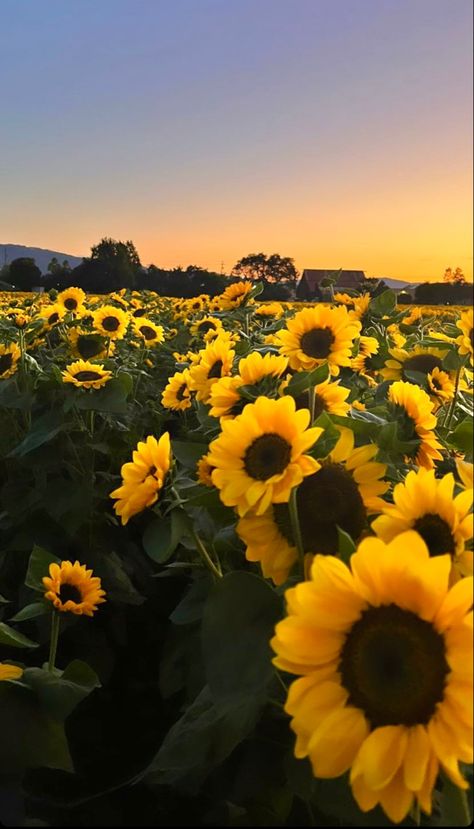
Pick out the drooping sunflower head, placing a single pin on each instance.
(9, 356)
(412, 408)
(10, 671)
(428, 505)
(260, 455)
(234, 295)
(72, 299)
(111, 322)
(176, 394)
(150, 333)
(466, 339)
(315, 335)
(143, 477)
(73, 589)
(86, 375)
(384, 652)
(215, 361)
(420, 359)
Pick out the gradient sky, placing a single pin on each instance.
(338, 132)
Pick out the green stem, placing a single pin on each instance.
(453, 403)
(455, 804)
(53, 647)
(295, 526)
(311, 402)
(216, 571)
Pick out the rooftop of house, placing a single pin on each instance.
(347, 278)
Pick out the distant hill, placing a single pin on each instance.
(397, 284)
(41, 256)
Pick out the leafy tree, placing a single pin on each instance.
(24, 274)
(267, 269)
(443, 293)
(110, 251)
(454, 277)
(112, 265)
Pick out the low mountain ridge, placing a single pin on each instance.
(42, 256)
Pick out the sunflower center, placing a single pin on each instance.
(205, 326)
(83, 376)
(394, 666)
(436, 534)
(471, 337)
(268, 455)
(110, 323)
(148, 332)
(180, 392)
(215, 370)
(88, 347)
(6, 361)
(140, 312)
(326, 500)
(53, 318)
(317, 342)
(70, 303)
(70, 593)
(424, 363)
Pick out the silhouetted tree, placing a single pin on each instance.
(454, 277)
(267, 269)
(443, 293)
(24, 274)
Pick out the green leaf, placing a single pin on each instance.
(303, 380)
(462, 437)
(110, 398)
(43, 430)
(384, 304)
(453, 360)
(30, 611)
(9, 636)
(454, 805)
(59, 694)
(191, 606)
(417, 377)
(163, 535)
(238, 622)
(38, 566)
(188, 453)
(346, 545)
(327, 441)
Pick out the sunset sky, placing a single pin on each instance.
(337, 132)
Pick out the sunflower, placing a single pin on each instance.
(52, 314)
(10, 671)
(88, 345)
(411, 407)
(466, 339)
(363, 363)
(176, 394)
(234, 296)
(143, 477)
(441, 386)
(215, 361)
(258, 370)
(269, 309)
(356, 305)
(428, 506)
(259, 456)
(72, 299)
(420, 359)
(86, 375)
(151, 333)
(384, 651)
(9, 356)
(315, 335)
(73, 589)
(465, 473)
(111, 322)
(207, 327)
(204, 471)
(340, 493)
(330, 397)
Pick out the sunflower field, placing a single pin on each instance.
(235, 561)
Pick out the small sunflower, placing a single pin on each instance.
(52, 314)
(215, 361)
(9, 356)
(269, 309)
(10, 671)
(73, 589)
(259, 456)
(72, 299)
(441, 386)
(260, 370)
(466, 339)
(204, 471)
(428, 506)
(465, 473)
(111, 322)
(330, 397)
(234, 296)
(413, 409)
(143, 477)
(86, 375)
(176, 394)
(207, 327)
(341, 493)
(420, 359)
(315, 335)
(384, 652)
(151, 333)
(365, 363)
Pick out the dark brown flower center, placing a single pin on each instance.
(88, 346)
(394, 666)
(424, 363)
(70, 593)
(83, 376)
(206, 326)
(148, 332)
(436, 534)
(110, 323)
(180, 392)
(70, 303)
(317, 342)
(139, 312)
(53, 318)
(326, 500)
(215, 370)
(471, 337)
(268, 455)
(6, 361)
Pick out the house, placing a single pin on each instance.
(309, 286)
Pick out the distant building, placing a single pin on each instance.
(309, 286)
